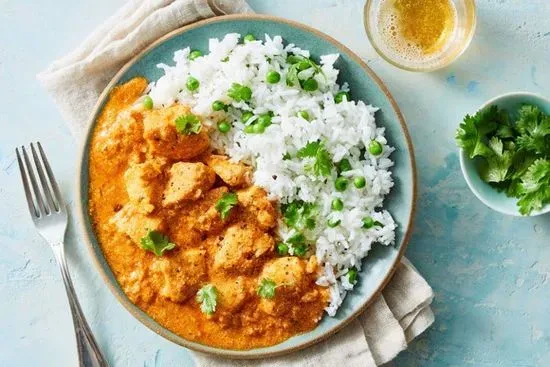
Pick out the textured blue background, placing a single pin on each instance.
(490, 273)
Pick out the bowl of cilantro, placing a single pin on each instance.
(505, 153)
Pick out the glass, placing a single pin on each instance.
(455, 44)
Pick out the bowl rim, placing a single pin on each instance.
(88, 235)
(467, 41)
(467, 173)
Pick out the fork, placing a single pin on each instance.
(49, 215)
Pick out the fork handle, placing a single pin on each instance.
(89, 354)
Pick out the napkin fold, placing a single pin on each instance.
(75, 82)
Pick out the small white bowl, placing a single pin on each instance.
(485, 193)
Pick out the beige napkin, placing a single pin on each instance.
(75, 83)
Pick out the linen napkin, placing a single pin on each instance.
(75, 82)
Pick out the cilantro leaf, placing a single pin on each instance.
(156, 242)
(534, 127)
(535, 187)
(322, 164)
(226, 203)
(473, 131)
(310, 150)
(299, 63)
(239, 92)
(299, 215)
(498, 163)
(266, 289)
(207, 296)
(188, 124)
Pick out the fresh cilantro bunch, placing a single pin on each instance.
(515, 155)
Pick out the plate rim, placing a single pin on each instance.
(113, 285)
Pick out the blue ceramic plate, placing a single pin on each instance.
(365, 85)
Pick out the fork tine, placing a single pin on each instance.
(32, 207)
(37, 194)
(45, 187)
(57, 194)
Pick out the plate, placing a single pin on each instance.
(365, 85)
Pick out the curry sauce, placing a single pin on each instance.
(146, 176)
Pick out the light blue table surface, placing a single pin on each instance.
(490, 273)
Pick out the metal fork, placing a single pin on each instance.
(49, 215)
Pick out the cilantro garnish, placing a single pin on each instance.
(322, 163)
(266, 289)
(207, 296)
(515, 157)
(188, 124)
(226, 203)
(299, 215)
(156, 242)
(239, 92)
(299, 63)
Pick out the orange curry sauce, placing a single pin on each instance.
(144, 175)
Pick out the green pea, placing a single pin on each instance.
(218, 105)
(258, 128)
(192, 84)
(247, 115)
(310, 85)
(273, 77)
(304, 115)
(249, 129)
(341, 184)
(339, 97)
(264, 120)
(249, 38)
(282, 248)
(224, 127)
(344, 165)
(333, 223)
(352, 275)
(359, 182)
(368, 222)
(225, 59)
(375, 148)
(148, 103)
(194, 54)
(337, 205)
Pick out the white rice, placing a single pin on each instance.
(345, 128)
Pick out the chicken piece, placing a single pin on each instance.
(180, 276)
(256, 205)
(142, 183)
(232, 293)
(159, 130)
(290, 271)
(136, 286)
(134, 223)
(233, 174)
(209, 220)
(289, 275)
(187, 181)
(242, 247)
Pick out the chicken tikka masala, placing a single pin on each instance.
(188, 237)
